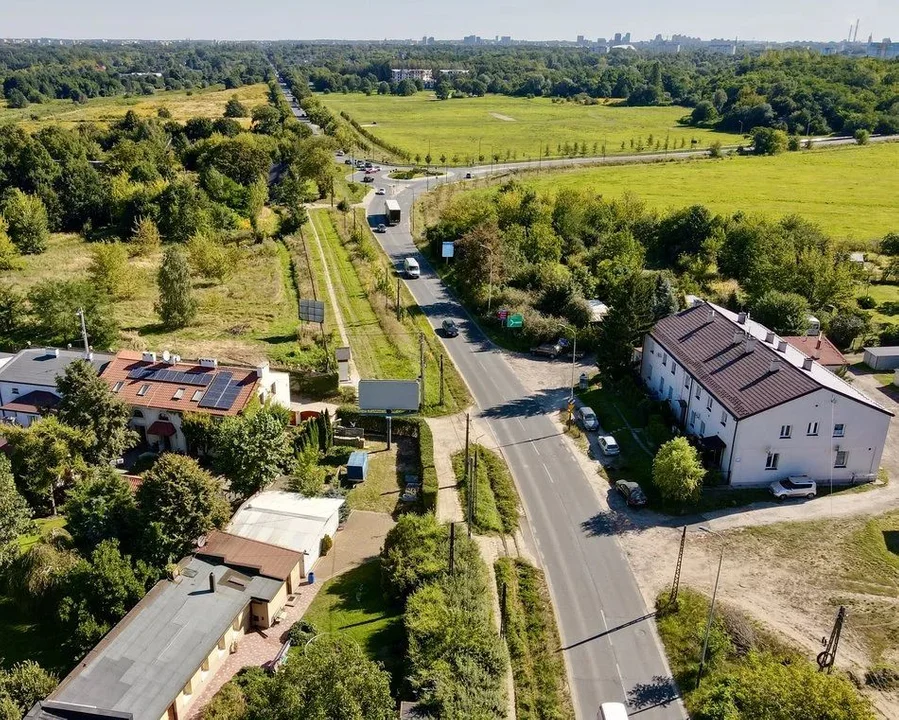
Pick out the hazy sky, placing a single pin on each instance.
(445, 19)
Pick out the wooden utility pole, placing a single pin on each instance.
(675, 586)
(397, 299)
(441, 379)
(421, 367)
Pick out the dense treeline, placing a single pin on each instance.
(546, 256)
(794, 90)
(35, 73)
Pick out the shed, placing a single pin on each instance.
(357, 466)
(882, 358)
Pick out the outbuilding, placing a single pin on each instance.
(357, 466)
(882, 358)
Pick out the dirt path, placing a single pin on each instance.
(332, 296)
(504, 118)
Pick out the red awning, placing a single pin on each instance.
(161, 428)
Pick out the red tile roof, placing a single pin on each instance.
(161, 395)
(32, 402)
(268, 560)
(817, 347)
(741, 380)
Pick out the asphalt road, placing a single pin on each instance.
(608, 636)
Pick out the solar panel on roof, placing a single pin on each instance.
(216, 390)
(172, 376)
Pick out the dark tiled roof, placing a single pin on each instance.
(32, 402)
(41, 366)
(741, 380)
(268, 560)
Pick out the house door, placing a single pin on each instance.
(172, 712)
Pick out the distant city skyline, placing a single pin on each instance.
(766, 20)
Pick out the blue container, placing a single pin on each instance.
(310, 577)
(357, 466)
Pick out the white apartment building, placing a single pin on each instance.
(760, 409)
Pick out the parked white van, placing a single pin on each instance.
(612, 711)
(410, 268)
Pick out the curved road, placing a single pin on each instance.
(608, 636)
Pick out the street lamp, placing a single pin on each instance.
(573, 331)
(708, 627)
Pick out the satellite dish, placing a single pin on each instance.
(201, 541)
(165, 355)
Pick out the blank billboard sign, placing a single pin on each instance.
(312, 311)
(388, 394)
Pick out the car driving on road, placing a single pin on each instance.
(450, 329)
(631, 492)
(380, 191)
(381, 228)
(792, 487)
(608, 445)
(587, 418)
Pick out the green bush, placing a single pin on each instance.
(486, 517)
(301, 632)
(429, 482)
(413, 554)
(496, 507)
(326, 545)
(227, 704)
(866, 302)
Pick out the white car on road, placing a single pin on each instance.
(380, 191)
(796, 486)
(608, 445)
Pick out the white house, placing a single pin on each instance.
(288, 520)
(28, 381)
(161, 389)
(760, 408)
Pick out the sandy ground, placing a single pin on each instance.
(506, 118)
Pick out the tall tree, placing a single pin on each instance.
(54, 305)
(89, 404)
(145, 237)
(28, 224)
(252, 450)
(179, 502)
(784, 313)
(100, 506)
(9, 253)
(234, 108)
(176, 305)
(629, 318)
(15, 515)
(677, 472)
(109, 269)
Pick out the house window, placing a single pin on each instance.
(179, 393)
(15, 391)
(771, 461)
(812, 429)
(723, 419)
(661, 385)
(692, 418)
(686, 380)
(221, 644)
(702, 429)
(673, 368)
(198, 394)
(664, 358)
(649, 377)
(143, 390)
(708, 404)
(841, 459)
(118, 386)
(839, 430)
(698, 392)
(188, 688)
(137, 413)
(786, 431)
(670, 391)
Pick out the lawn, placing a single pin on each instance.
(886, 295)
(45, 526)
(496, 499)
(387, 470)
(516, 128)
(383, 347)
(252, 316)
(353, 604)
(849, 191)
(183, 104)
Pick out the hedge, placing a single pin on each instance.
(410, 427)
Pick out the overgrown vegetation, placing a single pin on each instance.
(541, 685)
(496, 500)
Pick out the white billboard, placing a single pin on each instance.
(388, 394)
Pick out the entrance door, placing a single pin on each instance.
(172, 712)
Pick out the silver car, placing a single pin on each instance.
(796, 486)
(587, 418)
(609, 445)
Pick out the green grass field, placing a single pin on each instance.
(849, 191)
(183, 104)
(516, 128)
(353, 604)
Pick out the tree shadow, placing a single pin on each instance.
(644, 696)
(277, 339)
(538, 403)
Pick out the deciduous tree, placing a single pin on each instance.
(109, 269)
(784, 313)
(23, 685)
(145, 237)
(677, 472)
(234, 108)
(54, 307)
(27, 219)
(100, 506)
(15, 515)
(252, 450)
(9, 253)
(628, 319)
(176, 305)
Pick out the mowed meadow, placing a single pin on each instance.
(182, 104)
(518, 128)
(852, 192)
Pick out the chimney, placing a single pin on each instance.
(738, 337)
(211, 581)
(148, 357)
(818, 344)
(750, 344)
(209, 362)
(711, 316)
(262, 371)
(769, 337)
(774, 366)
(52, 351)
(807, 364)
(782, 346)
(741, 318)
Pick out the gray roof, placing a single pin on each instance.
(144, 662)
(41, 366)
(887, 351)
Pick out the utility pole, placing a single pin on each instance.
(827, 656)
(708, 627)
(675, 586)
(503, 612)
(397, 299)
(441, 378)
(421, 366)
(87, 348)
(452, 556)
(467, 432)
(468, 483)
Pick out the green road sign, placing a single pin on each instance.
(515, 321)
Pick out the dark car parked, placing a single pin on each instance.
(631, 492)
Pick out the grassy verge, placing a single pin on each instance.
(353, 604)
(496, 506)
(45, 526)
(386, 472)
(541, 685)
(383, 347)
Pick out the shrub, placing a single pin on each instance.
(429, 482)
(883, 677)
(862, 136)
(866, 302)
(301, 632)
(327, 544)
(227, 704)
(413, 554)
(677, 472)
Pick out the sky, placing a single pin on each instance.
(776, 20)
